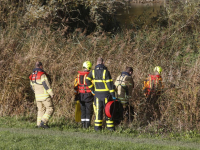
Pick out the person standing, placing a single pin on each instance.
(153, 88)
(43, 95)
(101, 84)
(84, 95)
(124, 86)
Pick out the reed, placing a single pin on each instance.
(174, 46)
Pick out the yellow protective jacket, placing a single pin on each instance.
(40, 85)
(124, 86)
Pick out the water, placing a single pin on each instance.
(137, 13)
(141, 14)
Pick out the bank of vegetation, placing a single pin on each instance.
(64, 34)
(145, 1)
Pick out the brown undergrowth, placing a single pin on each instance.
(175, 48)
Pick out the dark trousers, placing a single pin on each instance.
(99, 106)
(128, 115)
(86, 113)
(153, 110)
(86, 102)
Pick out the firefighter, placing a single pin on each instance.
(101, 84)
(43, 95)
(124, 86)
(153, 88)
(84, 95)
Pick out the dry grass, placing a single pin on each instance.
(175, 48)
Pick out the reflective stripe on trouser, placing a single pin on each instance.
(45, 110)
(100, 104)
(86, 112)
(123, 100)
(95, 109)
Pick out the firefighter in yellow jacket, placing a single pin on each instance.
(124, 86)
(84, 95)
(43, 94)
(101, 84)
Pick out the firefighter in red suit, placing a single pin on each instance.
(84, 95)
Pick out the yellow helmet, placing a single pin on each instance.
(158, 69)
(87, 65)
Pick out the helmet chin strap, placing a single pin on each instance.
(157, 73)
(85, 69)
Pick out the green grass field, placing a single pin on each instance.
(22, 138)
(18, 134)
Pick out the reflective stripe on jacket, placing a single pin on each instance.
(124, 86)
(80, 86)
(99, 80)
(153, 85)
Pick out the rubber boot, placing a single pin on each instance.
(111, 129)
(87, 124)
(83, 125)
(43, 125)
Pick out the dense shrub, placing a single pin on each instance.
(174, 46)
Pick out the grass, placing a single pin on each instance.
(32, 139)
(19, 133)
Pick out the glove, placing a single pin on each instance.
(76, 98)
(114, 98)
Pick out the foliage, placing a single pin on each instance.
(174, 46)
(65, 15)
